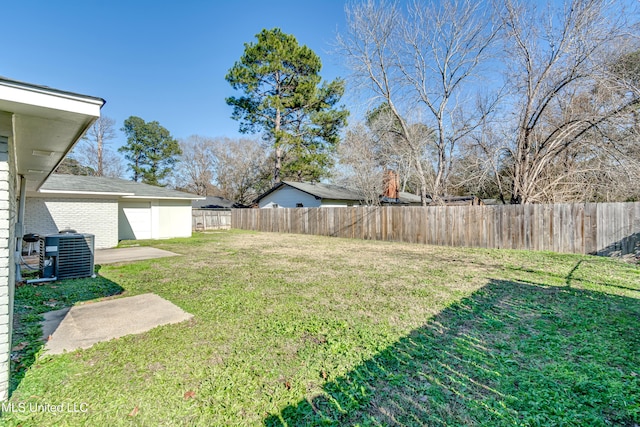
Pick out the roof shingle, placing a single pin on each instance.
(99, 184)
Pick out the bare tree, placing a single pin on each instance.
(236, 169)
(196, 170)
(94, 152)
(392, 150)
(419, 62)
(242, 169)
(564, 98)
(360, 157)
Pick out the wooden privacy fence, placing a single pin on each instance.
(587, 228)
(210, 219)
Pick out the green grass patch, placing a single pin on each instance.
(303, 330)
(32, 300)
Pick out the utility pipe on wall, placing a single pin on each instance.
(20, 225)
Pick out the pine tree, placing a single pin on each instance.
(150, 150)
(285, 98)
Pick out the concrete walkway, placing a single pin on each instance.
(136, 253)
(85, 325)
(112, 256)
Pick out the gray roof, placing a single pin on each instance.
(336, 192)
(404, 198)
(75, 184)
(323, 191)
(213, 201)
(409, 197)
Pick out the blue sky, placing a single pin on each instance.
(163, 61)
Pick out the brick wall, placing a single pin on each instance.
(95, 216)
(7, 266)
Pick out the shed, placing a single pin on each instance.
(110, 208)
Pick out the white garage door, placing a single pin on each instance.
(134, 221)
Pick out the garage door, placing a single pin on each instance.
(134, 221)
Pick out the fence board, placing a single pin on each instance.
(629, 239)
(210, 219)
(605, 229)
(536, 227)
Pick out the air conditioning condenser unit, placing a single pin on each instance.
(66, 256)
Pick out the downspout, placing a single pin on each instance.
(20, 226)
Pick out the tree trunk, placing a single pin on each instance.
(439, 179)
(278, 161)
(278, 166)
(423, 182)
(99, 171)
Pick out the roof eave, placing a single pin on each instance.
(271, 190)
(51, 91)
(43, 118)
(292, 185)
(87, 193)
(133, 196)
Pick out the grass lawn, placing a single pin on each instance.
(300, 330)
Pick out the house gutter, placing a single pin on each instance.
(164, 198)
(89, 193)
(20, 226)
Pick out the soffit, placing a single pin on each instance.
(43, 125)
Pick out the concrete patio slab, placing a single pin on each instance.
(85, 325)
(137, 253)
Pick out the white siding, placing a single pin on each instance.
(154, 219)
(135, 221)
(110, 220)
(288, 197)
(174, 218)
(94, 216)
(7, 261)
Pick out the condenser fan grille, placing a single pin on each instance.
(75, 257)
(69, 255)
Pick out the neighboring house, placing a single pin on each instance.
(112, 209)
(38, 127)
(414, 200)
(490, 202)
(461, 201)
(213, 202)
(404, 199)
(392, 195)
(289, 194)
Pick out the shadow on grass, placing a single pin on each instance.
(510, 354)
(31, 301)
